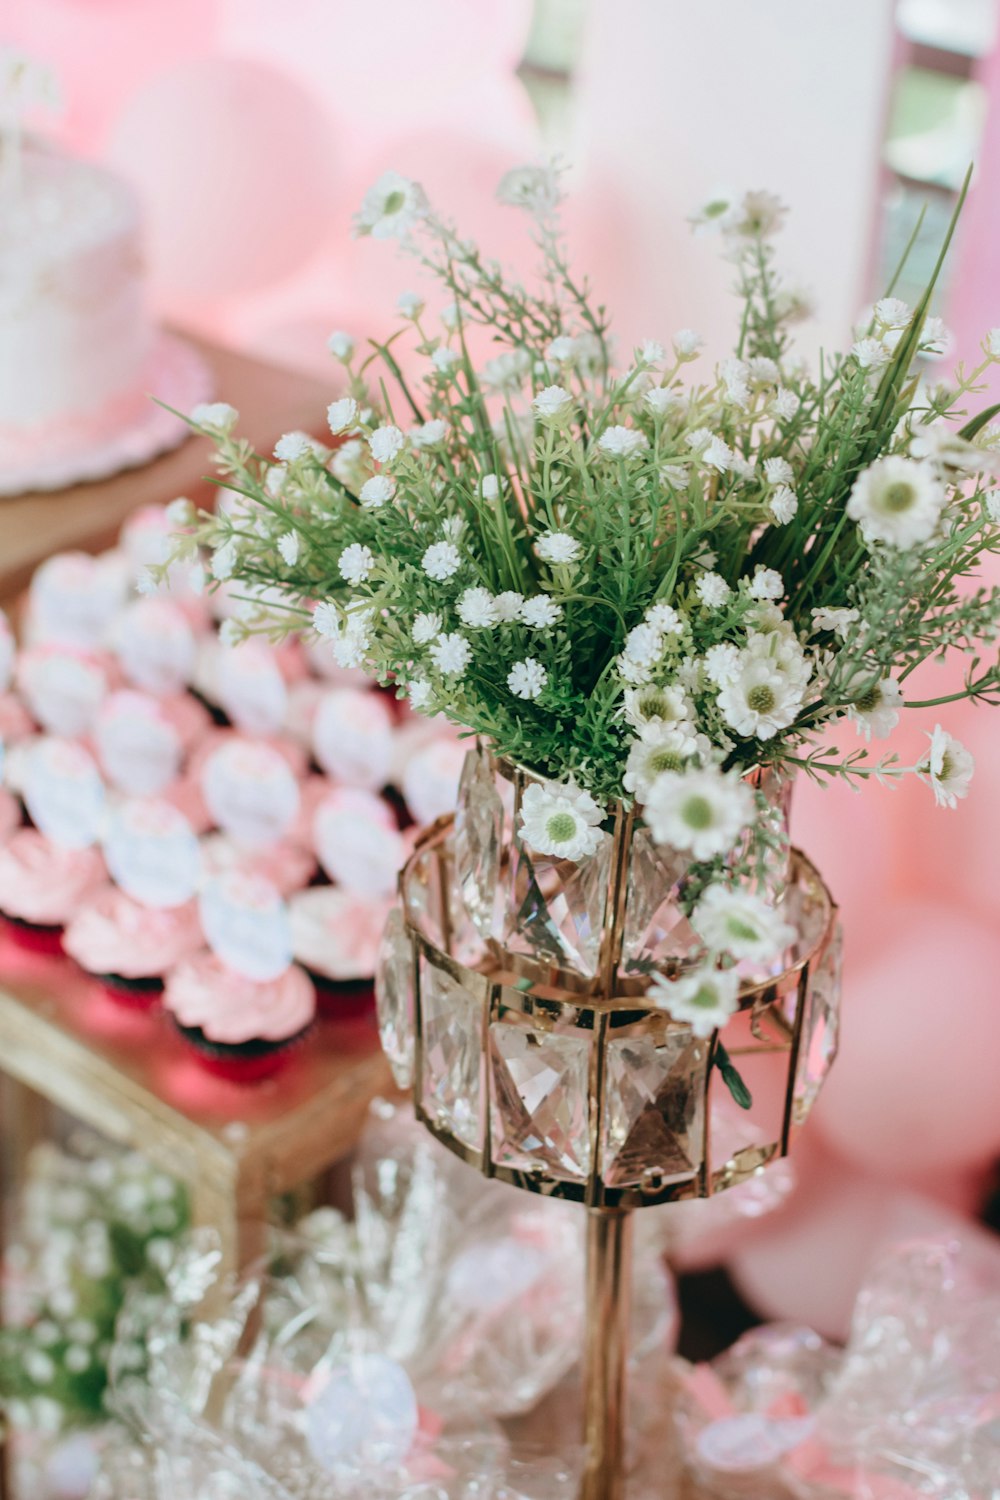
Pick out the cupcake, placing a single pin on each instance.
(288, 866)
(358, 842)
(352, 737)
(130, 947)
(42, 885)
(240, 1029)
(335, 937)
(63, 687)
(10, 816)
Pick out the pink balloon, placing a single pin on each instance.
(234, 162)
(914, 1089)
(807, 1262)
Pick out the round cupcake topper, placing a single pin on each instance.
(139, 748)
(250, 687)
(74, 598)
(63, 792)
(145, 537)
(352, 737)
(8, 649)
(62, 688)
(152, 853)
(156, 646)
(250, 792)
(357, 845)
(246, 925)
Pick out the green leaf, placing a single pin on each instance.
(976, 424)
(731, 1078)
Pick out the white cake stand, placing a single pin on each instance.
(124, 434)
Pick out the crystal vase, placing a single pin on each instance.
(513, 998)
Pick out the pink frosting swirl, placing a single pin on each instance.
(44, 883)
(15, 721)
(336, 933)
(231, 1010)
(112, 934)
(287, 866)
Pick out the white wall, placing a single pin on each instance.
(679, 97)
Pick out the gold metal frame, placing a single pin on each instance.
(514, 989)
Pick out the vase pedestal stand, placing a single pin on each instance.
(574, 1085)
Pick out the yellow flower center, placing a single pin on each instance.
(561, 827)
(665, 760)
(761, 698)
(869, 700)
(898, 496)
(697, 813)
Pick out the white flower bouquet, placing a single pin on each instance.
(640, 585)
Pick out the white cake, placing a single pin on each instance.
(74, 332)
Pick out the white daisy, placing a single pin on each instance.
(326, 620)
(948, 767)
(718, 455)
(535, 188)
(758, 215)
(288, 546)
(558, 547)
(390, 208)
(426, 626)
(375, 492)
(766, 584)
(740, 923)
(658, 748)
(734, 373)
(991, 343)
(181, 512)
(664, 618)
(508, 606)
(342, 414)
(837, 620)
(224, 560)
(655, 705)
(561, 350)
(553, 404)
(761, 700)
(875, 709)
(897, 501)
(410, 305)
(778, 471)
(687, 343)
(643, 649)
(561, 819)
(444, 360)
(292, 446)
(527, 678)
(477, 609)
(650, 352)
(341, 346)
(871, 354)
(702, 810)
(704, 999)
(762, 371)
(356, 562)
(451, 654)
(216, 417)
(676, 476)
(622, 442)
(386, 443)
(662, 399)
(419, 693)
(539, 612)
(489, 487)
(783, 504)
(713, 590)
(785, 404)
(441, 560)
(892, 312)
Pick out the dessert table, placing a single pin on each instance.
(270, 399)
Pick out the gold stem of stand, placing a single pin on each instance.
(609, 1295)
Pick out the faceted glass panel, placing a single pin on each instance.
(394, 997)
(478, 839)
(820, 1028)
(654, 1114)
(451, 1027)
(556, 911)
(655, 926)
(540, 1111)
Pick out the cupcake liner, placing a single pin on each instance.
(37, 937)
(136, 994)
(243, 1062)
(344, 998)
